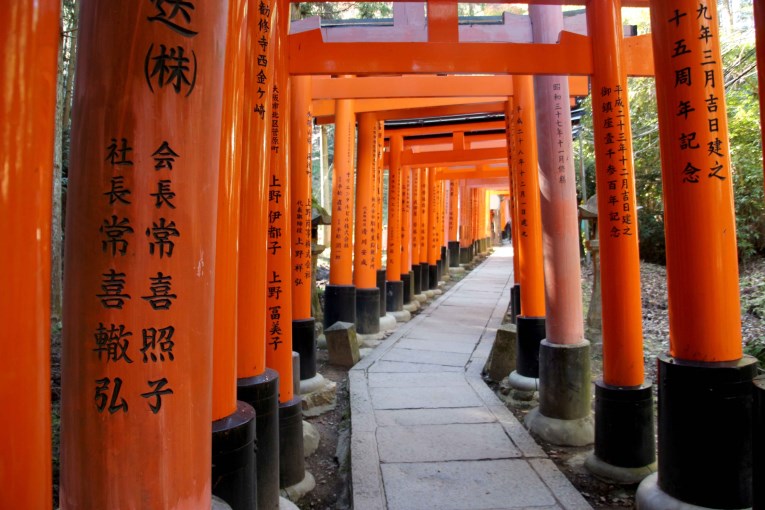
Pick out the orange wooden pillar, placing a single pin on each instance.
(278, 330)
(424, 214)
(406, 234)
(512, 157)
(27, 107)
(140, 251)
(233, 426)
(365, 252)
(432, 230)
(416, 215)
(394, 285)
(378, 199)
(618, 433)
(531, 321)
(705, 386)
(453, 224)
(564, 354)
(464, 215)
(301, 177)
(442, 205)
(340, 294)
(257, 384)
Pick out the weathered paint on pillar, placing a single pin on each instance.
(393, 267)
(227, 231)
(301, 168)
(759, 23)
(416, 213)
(341, 256)
(557, 185)
(454, 194)
(406, 221)
(615, 179)
(529, 229)
(253, 217)
(699, 219)
(512, 163)
(364, 271)
(278, 330)
(29, 43)
(140, 251)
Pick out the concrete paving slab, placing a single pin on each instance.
(415, 380)
(436, 344)
(441, 416)
(398, 366)
(454, 359)
(425, 334)
(435, 443)
(424, 398)
(466, 485)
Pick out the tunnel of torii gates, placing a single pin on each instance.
(188, 236)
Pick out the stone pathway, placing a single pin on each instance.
(427, 433)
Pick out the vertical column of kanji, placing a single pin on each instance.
(364, 271)
(531, 321)
(379, 176)
(453, 237)
(257, 384)
(564, 356)
(29, 42)
(233, 422)
(301, 171)
(624, 425)
(395, 288)
(278, 329)
(423, 229)
(464, 199)
(432, 230)
(705, 386)
(416, 213)
(512, 164)
(406, 233)
(441, 184)
(340, 294)
(136, 403)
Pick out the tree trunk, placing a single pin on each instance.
(56, 273)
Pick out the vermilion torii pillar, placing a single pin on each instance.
(394, 285)
(257, 384)
(379, 176)
(531, 321)
(416, 213)
(512, 149)
(233, 426)
(464, 227)
(563, 415)
(705, 390)
(406, 236)
(340, 294)
(140, 251)
(422, 229)
(364, 261)
(301, 176)
(27, 106)
(453, 224)
(432, 231)
(624, 425)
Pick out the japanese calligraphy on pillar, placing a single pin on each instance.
(416, 211)
(301, 254)
(424, 214)
(560, 141)
(277, 283)
(522, 172)
(263, 38)
(695, 56)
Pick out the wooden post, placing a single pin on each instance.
(406, 233)
(29, 44)
(453, 238)
(379, 177)
(136, 403)
(759, 23)
(512, 149)
(395, 289)
(705, 390)
(416, 215)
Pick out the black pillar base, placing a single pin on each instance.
(433, 277)
(705, 431)
(464, 255)
(439, 270)
(262, 393)
(531, 331)
(417, 279)
(233, 458)
(564, 380)
(304, 343)
(424, 276)
(339, 304)
(758, 453)
(291, 459)
(443, 262)
(394, 296)
(406, 281)
(454, 254)
(368, 311)
(381, 276)
(624, 425)
(515, 303)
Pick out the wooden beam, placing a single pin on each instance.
(455, 157)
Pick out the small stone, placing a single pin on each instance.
(342, 344)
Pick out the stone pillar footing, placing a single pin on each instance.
(578, 432)
(296, 491)
(233, 474)
(625, 449)
(402, 315)
(368, 311)
(705, 435)
(531, 331)
(515, 303)
(381, 276)
(406, 281)
(219, 504)
(291, 458)
(319, 395)
(304, 343)
(387, 322)
(394, 296)
(454, 254)
(522, 383)
(262, 393)
(339, 304)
